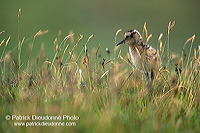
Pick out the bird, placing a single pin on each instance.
(143, 56)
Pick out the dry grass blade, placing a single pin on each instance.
(2, 42)
(148, 38)
(108, 61)
(124, 81)
(191, 39)
(78, 40)
(118, 31)
(39, 33)
(106, 73)
(74, 47)
(161, 35)
(64, 40)
(97, 50)
(55, 45)
(195, 54)
(48, 62)
(165, 70)
(145, 30)
(119, 56)
(85, 47)
(20, 43)
(7, 40)
(188, 40)
(65, 49)
(2, 32)
(85, 50)
(23, 40)
(90, 37)
(5, 46)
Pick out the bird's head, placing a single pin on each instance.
(131, 37)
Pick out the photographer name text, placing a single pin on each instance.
(42, 117)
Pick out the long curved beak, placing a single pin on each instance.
(120, 43)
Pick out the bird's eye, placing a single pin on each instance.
(126, 37)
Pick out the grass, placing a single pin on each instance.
(103, 93)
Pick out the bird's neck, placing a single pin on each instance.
(139, 47)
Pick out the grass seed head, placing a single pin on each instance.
(195, 54)
(170, 26)
(78, 40)
(55, 45)
(160, 41)
(161, 35)
(59, 33)
(107, 50)
(19, 13)
(191, 39)
(72, 37)
(148, 38)
(68, 37)
(173, 56)
(145, 30)
(2, 32)
(90, 37)
(118, 31)
(106, 73)
(23, 39)
(39, 33)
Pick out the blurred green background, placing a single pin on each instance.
(101, 18)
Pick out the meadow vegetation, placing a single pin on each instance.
(104, 93)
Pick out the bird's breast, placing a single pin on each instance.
(136, 57)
